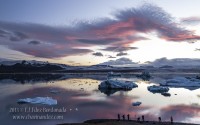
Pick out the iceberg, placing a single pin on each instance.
(38, 100)
(136, 103)
(157, 89)
(182, 82)
(115, 84)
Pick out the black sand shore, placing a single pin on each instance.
(131, 122)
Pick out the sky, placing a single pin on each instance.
(91, 32)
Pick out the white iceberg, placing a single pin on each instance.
(157, 89)
(115, 84)
(136, 103)
(39, 100)
(182, 82)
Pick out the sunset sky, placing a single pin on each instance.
(87, 32)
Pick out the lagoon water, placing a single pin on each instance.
(79, 99)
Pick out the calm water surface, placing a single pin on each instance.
(82, 100)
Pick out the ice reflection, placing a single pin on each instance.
(83, 94)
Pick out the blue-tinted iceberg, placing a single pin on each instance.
(157, 89)
(38, 100)
(116, 84)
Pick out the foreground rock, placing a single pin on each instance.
(38, 100)
(116, 84)
(158, 89)
(126, 122)
(182, 82)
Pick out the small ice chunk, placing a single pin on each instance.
(166, 94)
(136, 103)
(157, 89)
(115, 84)
(39, 100)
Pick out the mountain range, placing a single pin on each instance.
(118, 65)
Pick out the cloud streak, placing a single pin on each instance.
(122, 54)
(118, 49)
(34, 42)
(191, 20)
(197, 49)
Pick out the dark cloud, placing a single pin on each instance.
(191, 20)
(34, 42)
(122, 54)
(47, 53)
(99, 41)
(14, 35)
(2, 32)
(119, 49)
(18, 36)
(123, 29)
(53, 45)
(197, 49)
(97, 54)
(149, 18)
(111, 57)
(1, 35)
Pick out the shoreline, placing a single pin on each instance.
(125, 122)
